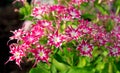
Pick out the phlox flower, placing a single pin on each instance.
(65, 18)
(85, 48)
(116, 32)
(78, 2)
(72, 33)
(37, 31)
(84, 27)
(114, 51)
(17, 53)
(56, 39)
(39, 11)
(74, 13)
(58, 8)
(30, 39)
(45, 24)
(17, 34)
(40, 53)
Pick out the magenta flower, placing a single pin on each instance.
(37, 31)
(40, 53)
(17, 53)
(17, 34)
(74, 13)
(114, 51)
(38, 12)
(58, 8)
(84, 27)
(85, 48)
(72, 33)
(56, 39)
(45, 24)
(30, 39)
(65, 18)
(78, 2)
(116, 32)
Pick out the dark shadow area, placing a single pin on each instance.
(9, 20)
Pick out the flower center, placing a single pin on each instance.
(114, 50)
(46, 24)
(73, 33)
(73, 14)
(85, 48)
(17, 55)
(56, 39)
(85, 30)
(41, 54)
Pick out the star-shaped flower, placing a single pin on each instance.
(85, 48)
(56, 39)
(40, 53)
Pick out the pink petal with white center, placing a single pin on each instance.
(85, 48)
(56, 39)
(41, 54)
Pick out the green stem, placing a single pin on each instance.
(117, 11)
(110, 68)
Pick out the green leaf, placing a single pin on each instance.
(79, 70)
(25, 11)
(117, 64)
(56, 1)
(53, 69)
(84, 5)
(101, 9)
(59, 66)
(43, 40)
(82, 62)
(38, 70)
(109, 25)
(60, 59)
(88, 16)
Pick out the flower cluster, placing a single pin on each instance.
(59, 25)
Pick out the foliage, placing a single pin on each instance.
(69, 36)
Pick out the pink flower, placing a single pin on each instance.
(40, 53)
(56, 39)
(116, 32)
(114, 51)
(84, 27)
(38, 12)
(74, 13)
(17, 53)
(85, 48)
(72, 33)
(65, 18)
(45, 24)
(37, 31)
(58, 8)
(30, 39)
(17, 34)
(78, 2)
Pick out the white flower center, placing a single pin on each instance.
(114, 50)
(41, 54)
(73, 33)
(56, 39)
(85, 48)
(39, 11)
(46, 24)
(73, 14)
(30, 39)
(17, 55)
(85, 30)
